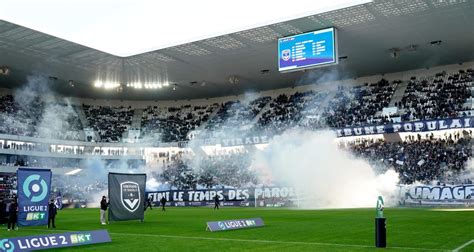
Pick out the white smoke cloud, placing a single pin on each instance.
(468, 174)
(324, 175)
(97, 170)
(51, 112)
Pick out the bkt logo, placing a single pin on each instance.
(286, 54)
(80, 238)
(221, 225)
(6, 245)
(35, 188)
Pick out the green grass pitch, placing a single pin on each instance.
(183, 229)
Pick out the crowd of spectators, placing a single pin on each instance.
(77, 190)
(60, 121)
(421, 158)
(439, 96)
(16, 119)
(32, 119)
(359, 105)
(226, 169)
(173, 124)
(109, 122)
(234, 117)
(299, 109)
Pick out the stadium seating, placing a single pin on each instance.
(234, 117)
(109, 122)
(419, 159)
(424, 158)
(31, 119)
(173, 123)
(288, 112)
(359, 105)
(439, 96)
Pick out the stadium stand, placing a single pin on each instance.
(109, 122)
(419, 159)
(439, 96)
(21, 119)
(18, 120)
(225, 169)
(236, 116)
(359, 105)
(425, 158)
(173, 123)
(287, 112)
(442, 95)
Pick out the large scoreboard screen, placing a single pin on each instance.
(307, 50)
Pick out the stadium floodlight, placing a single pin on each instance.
(111, 85)
(73, 172)
(129, 20)
(98, 83)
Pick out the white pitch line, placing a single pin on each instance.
(255, 241)
(462, 246)
(271, 241)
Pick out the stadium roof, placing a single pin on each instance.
(129, 27)
(368, 35)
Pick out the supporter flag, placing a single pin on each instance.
(59, 201)
(127, 196)
(34, 187)
(421, 162)
(399, 162)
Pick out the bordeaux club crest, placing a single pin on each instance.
(286, 54)
(130, 195)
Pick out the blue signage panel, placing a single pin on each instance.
(307, 50)
(50, 241)
(34, 187)
(234, 224)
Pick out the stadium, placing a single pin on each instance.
(254, 126)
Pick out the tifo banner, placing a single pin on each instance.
(417, 126)
(250, 140)
(34, 187)
(260, 196)
(127, 196)
(234, 224)
(50, 241)
(438, 195)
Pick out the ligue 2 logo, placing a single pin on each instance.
(35, 188)
(7, 246)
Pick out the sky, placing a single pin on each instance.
(129, 27)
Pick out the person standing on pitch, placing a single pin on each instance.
(216, 202)
(148, 203)
(163, 203)
(52, 211)
(103, 209)
(13, 215)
